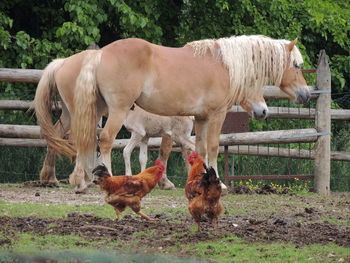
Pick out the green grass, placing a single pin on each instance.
(91, 256)
(72, 248)
(52, 211)
(30, 242)
(229, 249)
(232, 249)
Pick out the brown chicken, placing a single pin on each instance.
(203, 191)
(127, 191)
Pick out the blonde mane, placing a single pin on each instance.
(252, 61)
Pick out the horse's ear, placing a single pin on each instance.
(291, 45)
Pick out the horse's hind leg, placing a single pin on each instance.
(108, 134)
(81, 177)
(47, 173)
(164, 152)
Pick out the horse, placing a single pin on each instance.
(143, 125)
(201, 79)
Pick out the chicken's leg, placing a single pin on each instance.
(146, 216)
(215, 223)
(118, 213)
(136, 207)
(198, 226)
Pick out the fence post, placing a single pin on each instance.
(323, 124)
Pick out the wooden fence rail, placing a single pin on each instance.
(237, 149)
(20, 75)
(245, 138)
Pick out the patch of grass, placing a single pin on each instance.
(229, 249)
(30, 242)
(233, 249)
(328, 209)
(57, 211)
(89, 255)
(52, 210)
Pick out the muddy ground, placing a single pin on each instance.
(252, 228)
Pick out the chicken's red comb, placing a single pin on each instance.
(160, 164)
(192, 155)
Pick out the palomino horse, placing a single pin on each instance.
(143, 125)
(202, 79)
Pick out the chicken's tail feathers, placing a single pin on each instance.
(101, 170)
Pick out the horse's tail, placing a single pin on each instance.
(43, 103)
(84, 120)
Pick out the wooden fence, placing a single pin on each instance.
(234, 143)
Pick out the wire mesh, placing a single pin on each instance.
(278, 161)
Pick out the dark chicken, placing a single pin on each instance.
(203, 191)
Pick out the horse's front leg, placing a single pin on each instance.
(201, 128)
(143, 155)
(134, 140)
(47, 173)
(187, 146)
(214, 129)
(164, 153)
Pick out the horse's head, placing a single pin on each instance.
(254, 104)
(293, 82)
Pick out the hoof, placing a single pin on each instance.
(45, 183)
(224, 189)
(80, 191)
(90, 185)
(166, 184)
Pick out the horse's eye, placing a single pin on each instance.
(297, 66)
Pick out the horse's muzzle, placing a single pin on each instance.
(260, 116)
(260, 111)
(303, 95)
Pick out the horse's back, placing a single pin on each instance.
(130, 52)
(162, 80)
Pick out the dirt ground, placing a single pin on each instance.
(252, 228)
